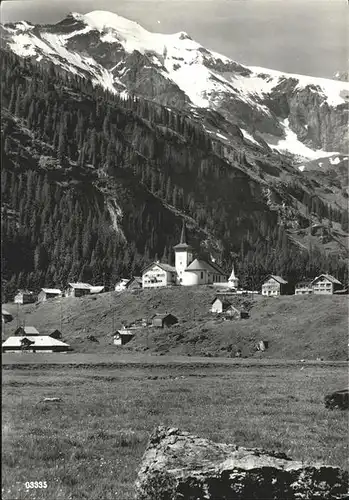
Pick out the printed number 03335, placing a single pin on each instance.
(35, 484)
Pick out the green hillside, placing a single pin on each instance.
(296, 327)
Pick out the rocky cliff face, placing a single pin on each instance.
(177, 465)
(176, 71)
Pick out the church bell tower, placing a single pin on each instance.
(183, 255)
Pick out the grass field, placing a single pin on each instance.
(296, 327)
(89, 445)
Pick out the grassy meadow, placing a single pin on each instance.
(89, 445)
(296, 327)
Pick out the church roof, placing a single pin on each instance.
(203, 265)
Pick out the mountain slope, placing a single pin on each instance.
(95, 186)
(176, 71)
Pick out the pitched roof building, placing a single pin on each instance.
(34, 344)
(325, 284)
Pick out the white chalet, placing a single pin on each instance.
(187, 270)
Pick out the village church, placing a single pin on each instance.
(187, 271)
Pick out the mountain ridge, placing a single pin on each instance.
(177, 71)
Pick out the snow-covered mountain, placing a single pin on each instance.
(304, 115)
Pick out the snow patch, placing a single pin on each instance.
(335, 161)
(291, 144)
(249, 136)
(301, 168)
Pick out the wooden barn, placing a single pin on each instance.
(164, 320)
(49, 293)
(56, 334)
(26, 331)
(122, 337)
(78, 289)
(274, 286)
(25, 297)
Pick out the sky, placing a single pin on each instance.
(297, 36)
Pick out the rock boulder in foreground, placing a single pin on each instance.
(179, 466)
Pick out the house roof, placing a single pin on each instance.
(28, 330)
(81, 286)
(40, 341)
(5, 313)
(26, 292)
(279, 279)
(165, 267)
(136, 278)
(329, 277)
(51, 290)
(224, 300)
(163, 316)
(96, 289)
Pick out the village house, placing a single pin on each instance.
(303, 288)
(164, 320)
(49, 293)
(325, 284)
(134, 283)
(157, 275)
(25, 297)
(275, 285)
(41, 343)
(187, 271)
(26, 331)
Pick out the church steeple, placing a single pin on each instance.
(183, 254)
(233, 280)
(183, 234)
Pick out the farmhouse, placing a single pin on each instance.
(41, 343)
(303, 288)
(325, 284)
(186, 272)
(158, 274)
(26, 330)
(49, 293)
(274, 285)
(161, 320)
(25, 297)
(134, 283)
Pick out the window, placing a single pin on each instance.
(202, 275)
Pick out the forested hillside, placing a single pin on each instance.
(95, 186)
